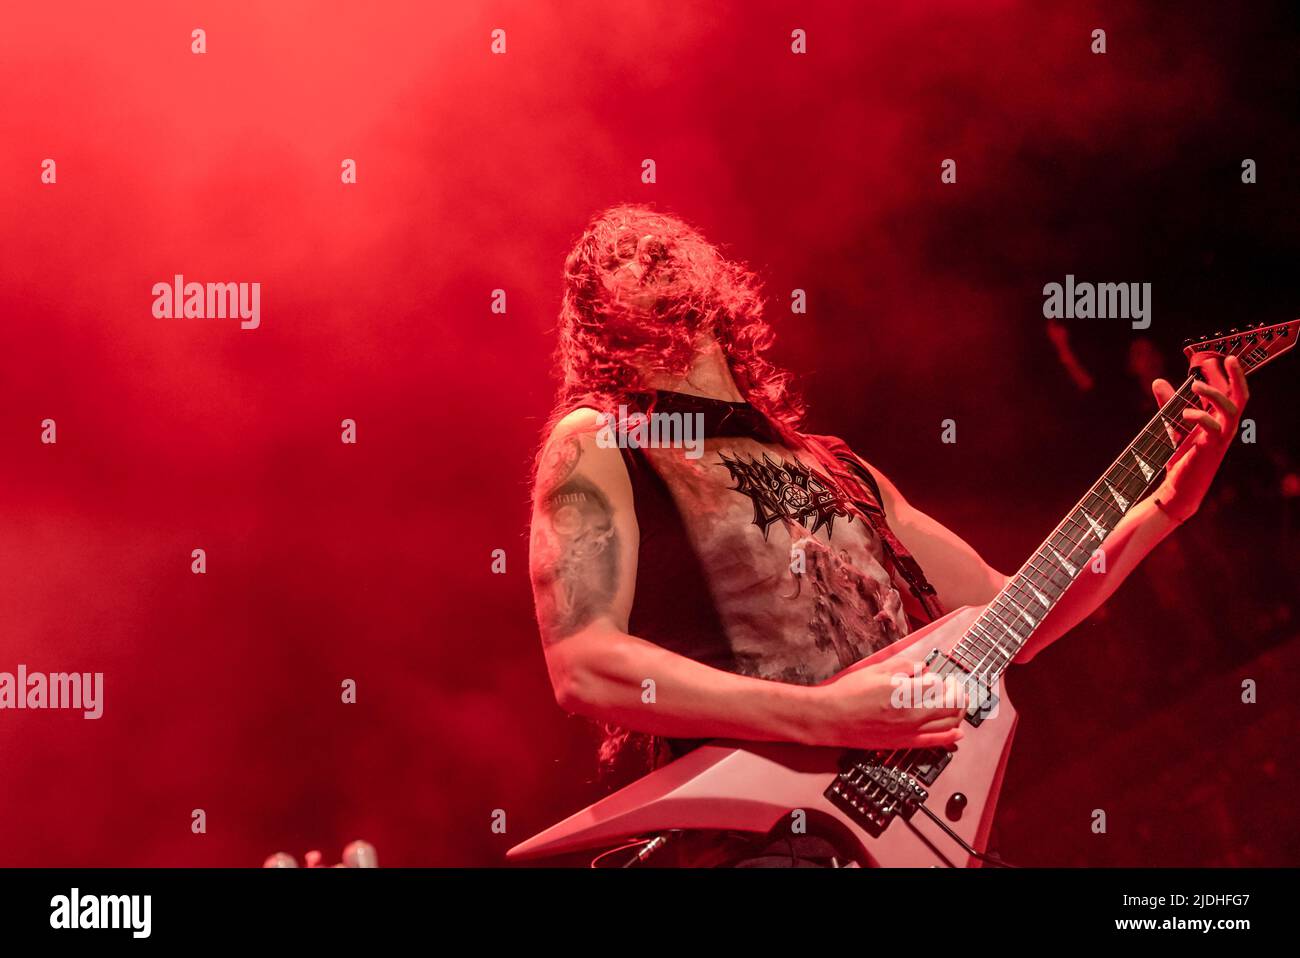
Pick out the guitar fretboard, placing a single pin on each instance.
(1011, 618)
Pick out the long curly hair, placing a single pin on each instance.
(643, 291)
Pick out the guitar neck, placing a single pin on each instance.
(1013, 616)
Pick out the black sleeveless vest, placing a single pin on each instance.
(763, 559)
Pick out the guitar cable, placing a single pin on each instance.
(989, 858)
(648, 847)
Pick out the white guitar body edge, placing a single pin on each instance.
(752, 786)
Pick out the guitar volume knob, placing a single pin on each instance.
(956, 805)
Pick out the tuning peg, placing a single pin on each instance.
(280, 860)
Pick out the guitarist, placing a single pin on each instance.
(723, 595)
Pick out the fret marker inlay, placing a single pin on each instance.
(1171, 431)
(1065, 563)
(1119, 500)
(996, 636)
(1147, 471)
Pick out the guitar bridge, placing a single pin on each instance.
(874, 788)
(873, 794)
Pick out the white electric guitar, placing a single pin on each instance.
(910, 807)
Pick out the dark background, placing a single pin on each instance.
(372, 562)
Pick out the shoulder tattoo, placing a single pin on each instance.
(575, 546)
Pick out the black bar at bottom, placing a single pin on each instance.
(599, 910)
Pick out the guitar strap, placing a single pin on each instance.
(865, 499)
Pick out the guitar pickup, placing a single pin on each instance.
(979, 694)
(929, 763)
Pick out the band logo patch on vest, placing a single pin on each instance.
(789, 490)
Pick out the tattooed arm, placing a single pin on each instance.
(584, 543)
(584, 536)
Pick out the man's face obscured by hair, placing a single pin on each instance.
(643, 290)
(639, 278)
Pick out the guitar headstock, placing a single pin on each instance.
(1254, 346)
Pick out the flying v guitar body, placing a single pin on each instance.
(753, 787)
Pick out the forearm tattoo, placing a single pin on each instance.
(575, 546)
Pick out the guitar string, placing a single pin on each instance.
(981, 632)
(890, 761)
(896, 759)
(1033, 575)
(893, 758)
(1176, 404)
(1009, 601)
(998, 606)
